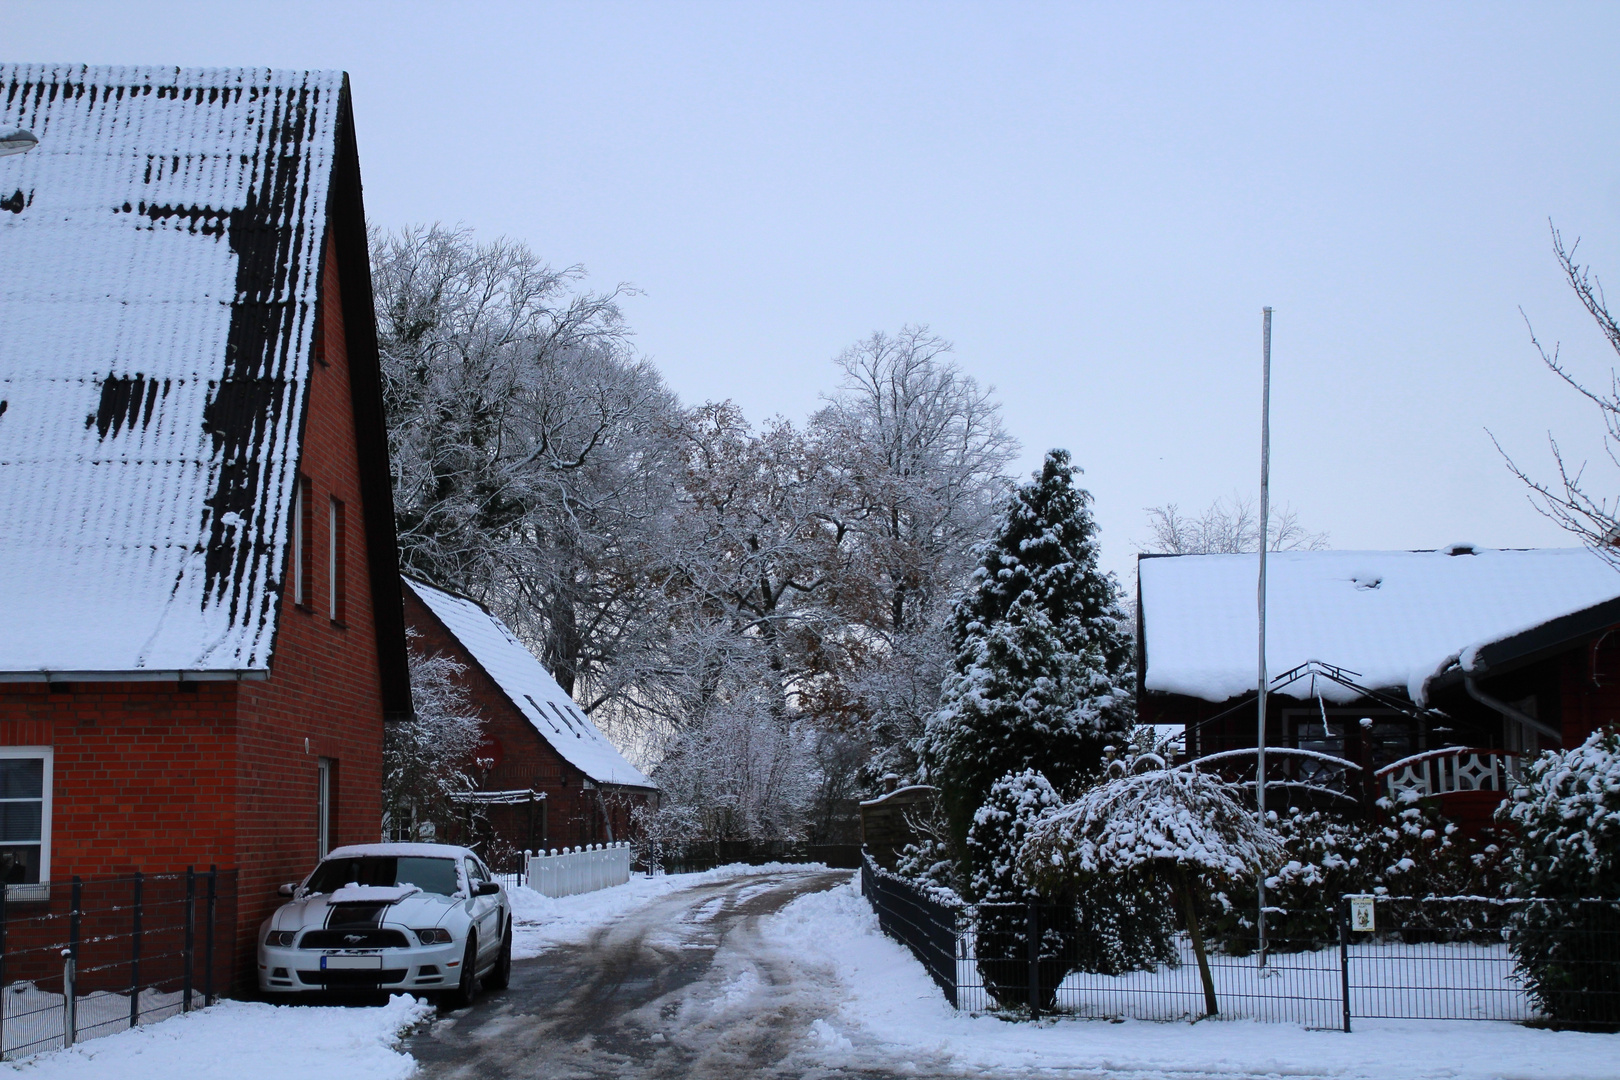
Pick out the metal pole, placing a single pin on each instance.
(70, 1021)
(191, 937)
(1344, 958)
(2, 972)
(1034, 961)
(135, 956)
(208, 938)
(1264, 684)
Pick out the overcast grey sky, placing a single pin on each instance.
(1093, 201)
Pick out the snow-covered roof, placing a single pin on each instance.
(161, 258)
(530, 688)
(1395, 618)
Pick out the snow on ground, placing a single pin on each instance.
(892, 1013)
(244, 1040)
(544, 922)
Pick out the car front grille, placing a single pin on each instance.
(357, 938)
(351, 977)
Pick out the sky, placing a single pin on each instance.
(1093, 201)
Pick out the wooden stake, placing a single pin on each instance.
(1190, 913)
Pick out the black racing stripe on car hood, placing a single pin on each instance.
(365, 916)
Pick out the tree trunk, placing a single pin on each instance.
(1190, 913)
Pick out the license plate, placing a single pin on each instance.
(341, 963)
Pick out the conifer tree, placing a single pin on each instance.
(1042, 656)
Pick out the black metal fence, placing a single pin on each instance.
(93, 956)
(1447, 958)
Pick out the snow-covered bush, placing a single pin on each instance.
(1003, 894)
(1041, 671)
(1165, 827)
(1568, 855)
(428, 759)
(1408, 850)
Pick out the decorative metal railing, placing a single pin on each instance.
(1452, 768)
(1287, 769)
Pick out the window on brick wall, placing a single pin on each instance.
(300, 543)
(325, 797)
(25, 818)
(336, 561)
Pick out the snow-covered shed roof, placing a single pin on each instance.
(162, 247)
(530, 688)
(1394, 618)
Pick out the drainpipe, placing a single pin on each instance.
(1507, 711)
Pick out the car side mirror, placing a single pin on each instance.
(486, 888)
(287, 889)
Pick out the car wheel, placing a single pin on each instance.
(467, 988)
(500, 976)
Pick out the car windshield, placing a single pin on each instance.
(428, 874)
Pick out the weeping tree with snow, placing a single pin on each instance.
(1040, 678)
(1567, 860)
(1174, 828)
(429, 758)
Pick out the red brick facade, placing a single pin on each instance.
(574, 811)
(157, 776)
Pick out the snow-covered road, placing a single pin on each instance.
(684, 985)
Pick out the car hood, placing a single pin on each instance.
(416, 909)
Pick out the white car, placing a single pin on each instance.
(422, 918)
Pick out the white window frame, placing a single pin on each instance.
(323, 807)
(298, 539)
(42, 890)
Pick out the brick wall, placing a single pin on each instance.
(324, 695)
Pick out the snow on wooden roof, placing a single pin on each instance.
(161, 247)
(1395, 618)
(530, 688)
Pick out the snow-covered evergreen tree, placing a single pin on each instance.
(1568, 823)
(1042, 655)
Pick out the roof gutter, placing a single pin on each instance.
(1508, 711)
(38, 675)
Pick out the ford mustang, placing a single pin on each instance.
(423, 918)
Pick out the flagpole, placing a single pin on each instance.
(1265, 528)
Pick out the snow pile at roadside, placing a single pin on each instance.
(544, 922)
(892, 1012)
(244, 1040)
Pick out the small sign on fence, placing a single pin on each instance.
(1363, 914)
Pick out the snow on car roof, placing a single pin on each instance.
(395, 851)
(1393, 617)
(530, 688)
(162, 255)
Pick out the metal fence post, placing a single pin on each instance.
(70, 966)
(135, 954)
(70, 1020)
(208, 937)
(2, 972)
(191, 938)
(1344, 958)
(1034, 961)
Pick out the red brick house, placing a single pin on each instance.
(553, 780)
(1433, 672)
(200, 629)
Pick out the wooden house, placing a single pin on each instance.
(547, 776)
(1431, 672)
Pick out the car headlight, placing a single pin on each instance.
(281, 939)
(434, 936)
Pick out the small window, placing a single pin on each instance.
(300, 543)
(336, 562)
(25, 817)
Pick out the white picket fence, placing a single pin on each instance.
(577, 870)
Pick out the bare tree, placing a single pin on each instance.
(1595, 518)
(533, 453)
(1227, 526)
(428, 759)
